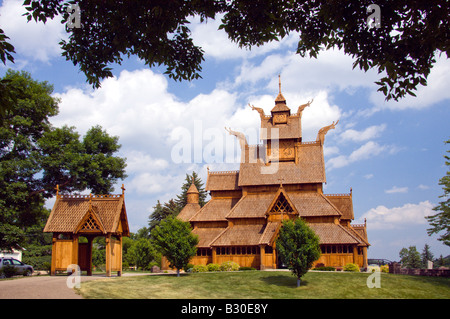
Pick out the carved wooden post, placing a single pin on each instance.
(54, 255)
(89, 255)
(75, 249)
(262, 258)
(214, 255)
(355, 255)
(108, 255)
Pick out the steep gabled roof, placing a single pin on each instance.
(344, 203)
(69, 211)
(310, 204)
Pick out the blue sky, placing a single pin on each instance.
(389, 153)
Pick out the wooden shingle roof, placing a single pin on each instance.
(292, 129)
(222, 181)
(215, 210)
(312, 204)
(309, 169)
(344, 203)
(70, 210)
(241, 235)
(251, 206)
(207, 235)
(188, 211)
(330, 233)
(307, 204)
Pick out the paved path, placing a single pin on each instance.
(44, 287)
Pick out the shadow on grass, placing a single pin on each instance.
(284, 281)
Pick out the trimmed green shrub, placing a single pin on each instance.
(199, 268)
(229, 266)
(213, 267)
(247, 268)
(325, 268)
(351, 267)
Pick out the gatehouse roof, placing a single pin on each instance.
(70, 210)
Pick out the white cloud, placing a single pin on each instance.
(138, 161)
(150, 121)
(423, 187)
(367, 134)
(435, 91)
(216, 43)
(32, 41)
(366, 151)
(383, 217)
(396, 189)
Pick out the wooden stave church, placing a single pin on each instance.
(241, 221)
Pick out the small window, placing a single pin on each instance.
(268, 250)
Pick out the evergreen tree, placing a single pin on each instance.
(441, 221)
(181, 200)
(426, 255)
(410, 258)
(174, 206)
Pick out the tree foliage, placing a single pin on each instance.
(440, 222)
(35, 157)
(410, 258)
(298, 247)
(181, 199)
(174, 240)
(174, 206)
(426, 255)
(403, 48)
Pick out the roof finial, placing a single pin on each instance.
(281, 179)
(123, 189)
(279, 83)
(57, 189)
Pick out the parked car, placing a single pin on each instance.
(11, 266)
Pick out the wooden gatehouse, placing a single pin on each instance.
(89, 216)
(280, 179)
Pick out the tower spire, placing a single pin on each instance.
(279, 83)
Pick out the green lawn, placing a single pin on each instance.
(265, 284)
